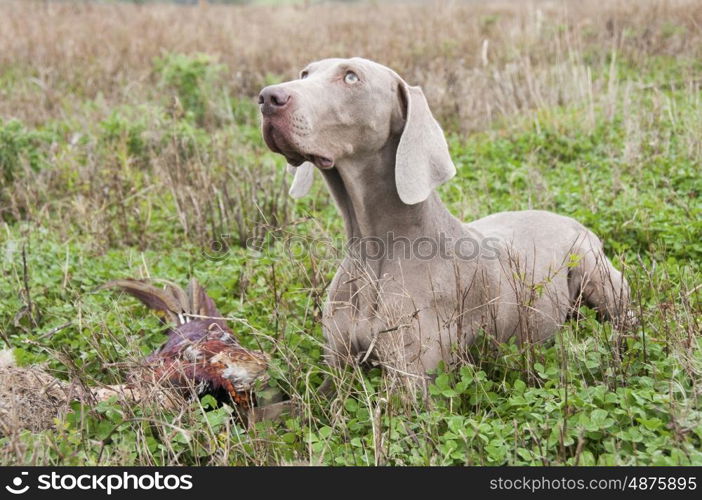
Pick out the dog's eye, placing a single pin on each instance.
(350, 77)
(304, 75)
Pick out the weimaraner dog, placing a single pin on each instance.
(432, 282)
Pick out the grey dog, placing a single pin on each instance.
(382, 154)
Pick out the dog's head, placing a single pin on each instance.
(341, 110)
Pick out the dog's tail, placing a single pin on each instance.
(177, 305)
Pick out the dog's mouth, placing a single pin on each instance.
(297, 159)
(279, 143)
(321, 161)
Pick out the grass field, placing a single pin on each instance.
(129, 147)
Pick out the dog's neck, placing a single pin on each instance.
(365, 192)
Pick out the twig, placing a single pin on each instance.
(5, 339)
(55, 330)
(25, 279)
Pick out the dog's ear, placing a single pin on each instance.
(423, 161)
(302, 180)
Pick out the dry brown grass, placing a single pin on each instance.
(30, 398)
(475, 61)
(75, 63)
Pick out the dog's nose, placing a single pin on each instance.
(273, 99)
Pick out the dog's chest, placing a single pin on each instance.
(406, 301)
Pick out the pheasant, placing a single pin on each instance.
(201, 351)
